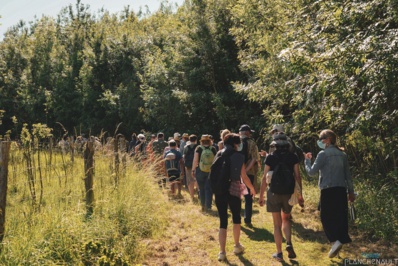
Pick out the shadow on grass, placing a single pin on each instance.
(245, 260)
(258, 234)
(309, 234)
(254, 211)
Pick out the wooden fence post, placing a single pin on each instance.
(4, 157)
(89, 172)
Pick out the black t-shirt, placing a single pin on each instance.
(274, 158)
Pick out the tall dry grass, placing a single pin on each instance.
(58, 231)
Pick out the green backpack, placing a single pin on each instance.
(206, 159)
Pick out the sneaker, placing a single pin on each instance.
(222, 256)
(335, 249)
(238, 249)
(278, 256)
(290, 251)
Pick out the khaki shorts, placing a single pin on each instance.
(277, 202)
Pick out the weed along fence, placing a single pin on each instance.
(4, 157)
(31, 168)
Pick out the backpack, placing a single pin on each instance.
(206, 159)
(219, 176)
(189, 155)
(172, 166)
(282, 181)
(296, 150)
(158, 146)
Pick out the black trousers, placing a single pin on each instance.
(235, 205)
(334, 214)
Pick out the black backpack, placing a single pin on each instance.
(220, 173)
(188, 158)
(282, 181)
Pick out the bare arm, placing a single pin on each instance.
(250, 164)
(195, 163)
(263, 185)
(247, 181)
(297, 177)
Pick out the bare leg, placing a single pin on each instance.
(236, 230)
(179, 186)
(286, 226)
(172, 188)
(276, 216)
(222, 238)
(191, 188)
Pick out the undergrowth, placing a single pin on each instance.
(59, 230)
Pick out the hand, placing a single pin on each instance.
(252, 192)
(263, 153)
(301, 201)
(308, 155)
(261, 201)
(351, 197)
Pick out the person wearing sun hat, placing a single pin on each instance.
(203, 158)
(140, 147)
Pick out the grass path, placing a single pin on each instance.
(191, 238)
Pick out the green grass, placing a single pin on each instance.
(58, 231)
(136, 223)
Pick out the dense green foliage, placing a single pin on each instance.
(91, 72)
(214, 64)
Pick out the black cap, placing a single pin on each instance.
(245, 128)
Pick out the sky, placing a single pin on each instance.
(12, 11)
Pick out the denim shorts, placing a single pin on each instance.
(277, 202)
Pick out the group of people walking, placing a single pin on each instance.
(184, 159)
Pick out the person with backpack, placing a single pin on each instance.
(285, 167)
(335, 182)
(202, 161)
(140, 148)
(188, 155)
(231, 168)
(174, 167)
(159, 144)
(252, 160)
(279, 128)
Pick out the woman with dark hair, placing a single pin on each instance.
(278, 200)
(335, 183)
(237, 173)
